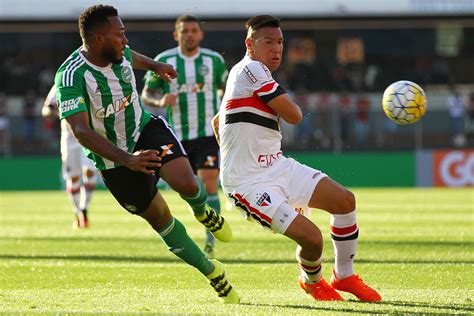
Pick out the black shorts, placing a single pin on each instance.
(203, 153)
(132, 189)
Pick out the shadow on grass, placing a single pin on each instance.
(157, 259)
(463, 308)
(243, 240)
(339, 308)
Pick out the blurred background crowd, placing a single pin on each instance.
(337, 67)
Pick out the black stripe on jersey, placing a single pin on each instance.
(253, 118)
(350, 237)
(268, 97)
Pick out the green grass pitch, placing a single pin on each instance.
(415, 247)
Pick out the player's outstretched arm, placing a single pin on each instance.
(286, 108)
(50, 105)
(162, 70)
(142, 160)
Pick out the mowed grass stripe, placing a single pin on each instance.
(415, 247)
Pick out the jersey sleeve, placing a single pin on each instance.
(70, 97)
(222, 72)
(151, 80)
(259, 81)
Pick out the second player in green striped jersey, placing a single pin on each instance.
(192, 99)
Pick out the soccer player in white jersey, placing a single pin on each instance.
(265, 185)
(191, 101)
(97, 96)
(78, 171)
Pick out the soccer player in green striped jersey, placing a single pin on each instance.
(191, 100)
(97, 96)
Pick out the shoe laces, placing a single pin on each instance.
(221, 285)
(213, 221)
(360, 283)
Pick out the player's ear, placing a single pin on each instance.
(98, 37)
(248, 44)
(175, 35)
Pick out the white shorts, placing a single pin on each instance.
(287, 181)
(74, 162)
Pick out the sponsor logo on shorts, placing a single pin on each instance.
(166, 150)
(263, 199)
(316, 174)
(210, 161)
(131, 208)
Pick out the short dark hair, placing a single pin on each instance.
(187, 18)
(259, 21)
(94, 17)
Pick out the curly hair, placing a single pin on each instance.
(94, 17)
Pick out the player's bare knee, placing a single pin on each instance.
(344, 202)
(90, 173)
(188, 187)
(349, 202)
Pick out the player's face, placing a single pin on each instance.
(188, 35)
(266, 45)
(114, 41)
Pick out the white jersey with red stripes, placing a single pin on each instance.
(250, 136)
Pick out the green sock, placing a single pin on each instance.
(175, 237)
(213, 201)
(198, 202)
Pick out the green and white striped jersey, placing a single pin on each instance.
(109, 96)
(199, 78)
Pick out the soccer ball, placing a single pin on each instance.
(404, 102)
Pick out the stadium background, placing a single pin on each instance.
(339, 57)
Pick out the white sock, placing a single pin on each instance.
(75, 197)
(344, 235)
(86, 195)
(310, 270)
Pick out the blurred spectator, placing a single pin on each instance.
(45, 79)
(362, 119)
(4, 127)
(470, 114)
(29, 119)
(325, 104)
(345, 111)
(341, 79)
(457, 110)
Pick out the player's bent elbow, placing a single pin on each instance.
(294, 118)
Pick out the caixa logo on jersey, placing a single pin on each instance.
(194, 88)
(116, 106)
(71, 104)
